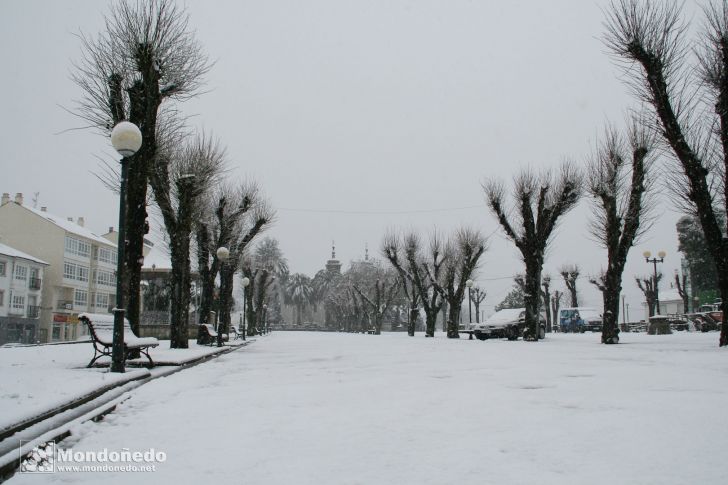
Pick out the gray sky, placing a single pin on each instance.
(363, 107)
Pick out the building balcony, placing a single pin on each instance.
(33, 311)
(64, 305)
(34, 283)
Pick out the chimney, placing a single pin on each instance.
(111, 228)
(80, 221)
(5, 199)
(44, 209)
(19, 198)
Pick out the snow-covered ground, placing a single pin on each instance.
(37, 379)
(317, 408)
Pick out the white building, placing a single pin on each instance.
(81, 272)
(21, 282)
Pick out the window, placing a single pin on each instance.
(73, 271)
(105, 278)
(2, 268)
(77, 247)
(56, 331)
(102, 300)
(80, 298)
(2, 298)
(21, 272)
(18, 302)
(107, 255)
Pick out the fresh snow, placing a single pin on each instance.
(327, 408)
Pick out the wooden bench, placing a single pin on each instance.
(101, 329)
(206, 335)
(238, 335)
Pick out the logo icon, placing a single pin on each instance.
(41, 459)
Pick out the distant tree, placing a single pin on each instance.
(540, 202)
(382, 294)
(701, 267)
(681, 285)
(648, 284)
(617, 182)
(465, 250)
(570, 274)
(514, 299)
(555, 304)
(689, 102)
(299, 292)
(478, 296)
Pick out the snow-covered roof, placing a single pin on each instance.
(670, 294)
(72, 227)
(15, 253)
(159, 257)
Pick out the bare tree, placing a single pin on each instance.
(187, 173)
(464, 252)
(570, 274)
(478, 296)
(382, 294)
(422, 267)
(540, 202)
(147, 55)
(690, 104)
(234, 216)
(648, 286)
(396, 254)
(681, 282)
(621, 210)
(555, 304)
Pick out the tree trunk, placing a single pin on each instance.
(412, 319)
(181, 284)
(610, 317)
(532, 299)
(723, 285)
(452, 320)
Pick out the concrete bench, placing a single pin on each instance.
(101, 329)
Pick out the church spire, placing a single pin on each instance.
(366, 251)
(333, 250)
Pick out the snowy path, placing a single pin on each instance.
(315, 408)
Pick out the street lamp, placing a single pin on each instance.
(223, 254)
(245, 282)
(469, 284)
(660, 259)
(265, 318)
(126, 138)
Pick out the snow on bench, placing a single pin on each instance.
(101, 328)
(208, 335)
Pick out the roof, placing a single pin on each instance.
(15, 253)
(507, 315)
(159, 257)
(71, 227)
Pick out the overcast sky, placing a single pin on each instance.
(355, 117)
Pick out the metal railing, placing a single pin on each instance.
(34, 283)
(33, 311)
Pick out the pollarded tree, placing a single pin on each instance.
(463, 254)
(478, 297)
(188, 172)
(617, 182)
(681, 283)
(690, 104)
(648, 285)
(546, 300)
(397, 253)
(540, 202)
(146, 56)
(379, 298)
(570, 274)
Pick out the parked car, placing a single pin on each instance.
(579, 319)
(508, 323)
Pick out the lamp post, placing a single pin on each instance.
(126, 138)
(265, 318)
(469, 284)
(223, 254)
(660, 259)
(245, 282)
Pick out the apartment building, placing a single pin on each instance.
(21, 282)
(80, 276)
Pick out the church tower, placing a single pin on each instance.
(333, 265)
